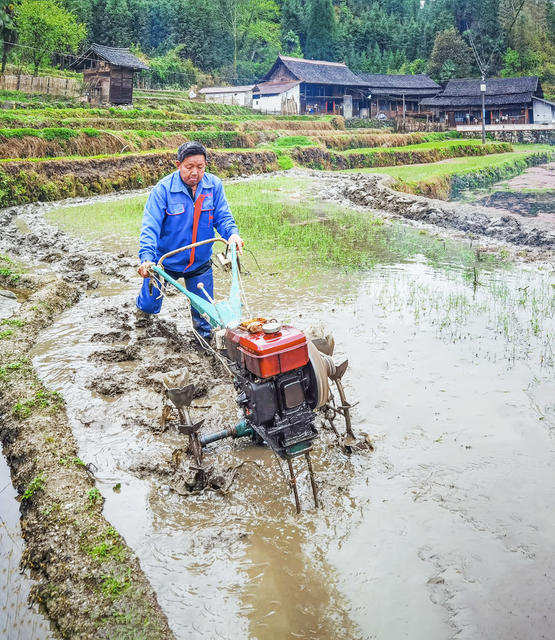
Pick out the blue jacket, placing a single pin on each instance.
(171, 219)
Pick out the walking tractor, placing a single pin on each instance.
(281, 376)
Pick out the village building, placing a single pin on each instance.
(241, 95)
(393, 96)
(299, 86)
(508, 101)
(108, 74)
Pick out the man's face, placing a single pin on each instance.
(192, 169)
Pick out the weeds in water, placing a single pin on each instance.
(36, 484)
(4, 335)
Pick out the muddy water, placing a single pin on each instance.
(445, 530)
(18, 621)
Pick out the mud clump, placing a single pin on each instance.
(110, 337)
(116, 354)
(111, 384)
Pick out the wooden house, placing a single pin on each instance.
(296, 85)
(397, 95)
(108, 74)
(512, 101)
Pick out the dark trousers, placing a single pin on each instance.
(153, 303)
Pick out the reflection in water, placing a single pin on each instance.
(418, 540)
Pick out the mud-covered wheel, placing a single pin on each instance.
(318, 391)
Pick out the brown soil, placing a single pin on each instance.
(88, 582)
(542, 177)
(48, 180)
(109, 143)
(317, 158)
(524, 204)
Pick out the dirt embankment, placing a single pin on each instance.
(108, 142)
(25, 181)
(535, 237)
(316, 158)
(88, 581)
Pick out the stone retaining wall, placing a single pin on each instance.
(46, 180)
(522, 136)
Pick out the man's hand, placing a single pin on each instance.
(144, 269)
(237, 240)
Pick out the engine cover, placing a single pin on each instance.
(267, 355)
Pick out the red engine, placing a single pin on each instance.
(278, 390)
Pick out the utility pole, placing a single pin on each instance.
(483, 92)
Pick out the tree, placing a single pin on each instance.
(254, 27)
(449, 46)
(44, 27)
(293, 19)
(7, 29)
(291, 45)
(321, 31)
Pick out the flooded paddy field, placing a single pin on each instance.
(531, 194)
(444, 530)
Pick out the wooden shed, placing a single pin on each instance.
(108, 73)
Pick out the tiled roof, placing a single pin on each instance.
(317, 71)
(417, 84)
(495, 86)
(273, 88)
(499, 91)
(238, 89)
(112, 55)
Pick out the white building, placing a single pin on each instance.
(544, 111)
(241, 96)
(281, 98)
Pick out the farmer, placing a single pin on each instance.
(184, 207)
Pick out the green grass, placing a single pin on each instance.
(435, 144)
(294, 141)
(36, 484)
(284, 223)
(41, 400)
(419, 172)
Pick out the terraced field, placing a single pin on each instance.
(50, 151)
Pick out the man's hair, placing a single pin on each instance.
(190, 149)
